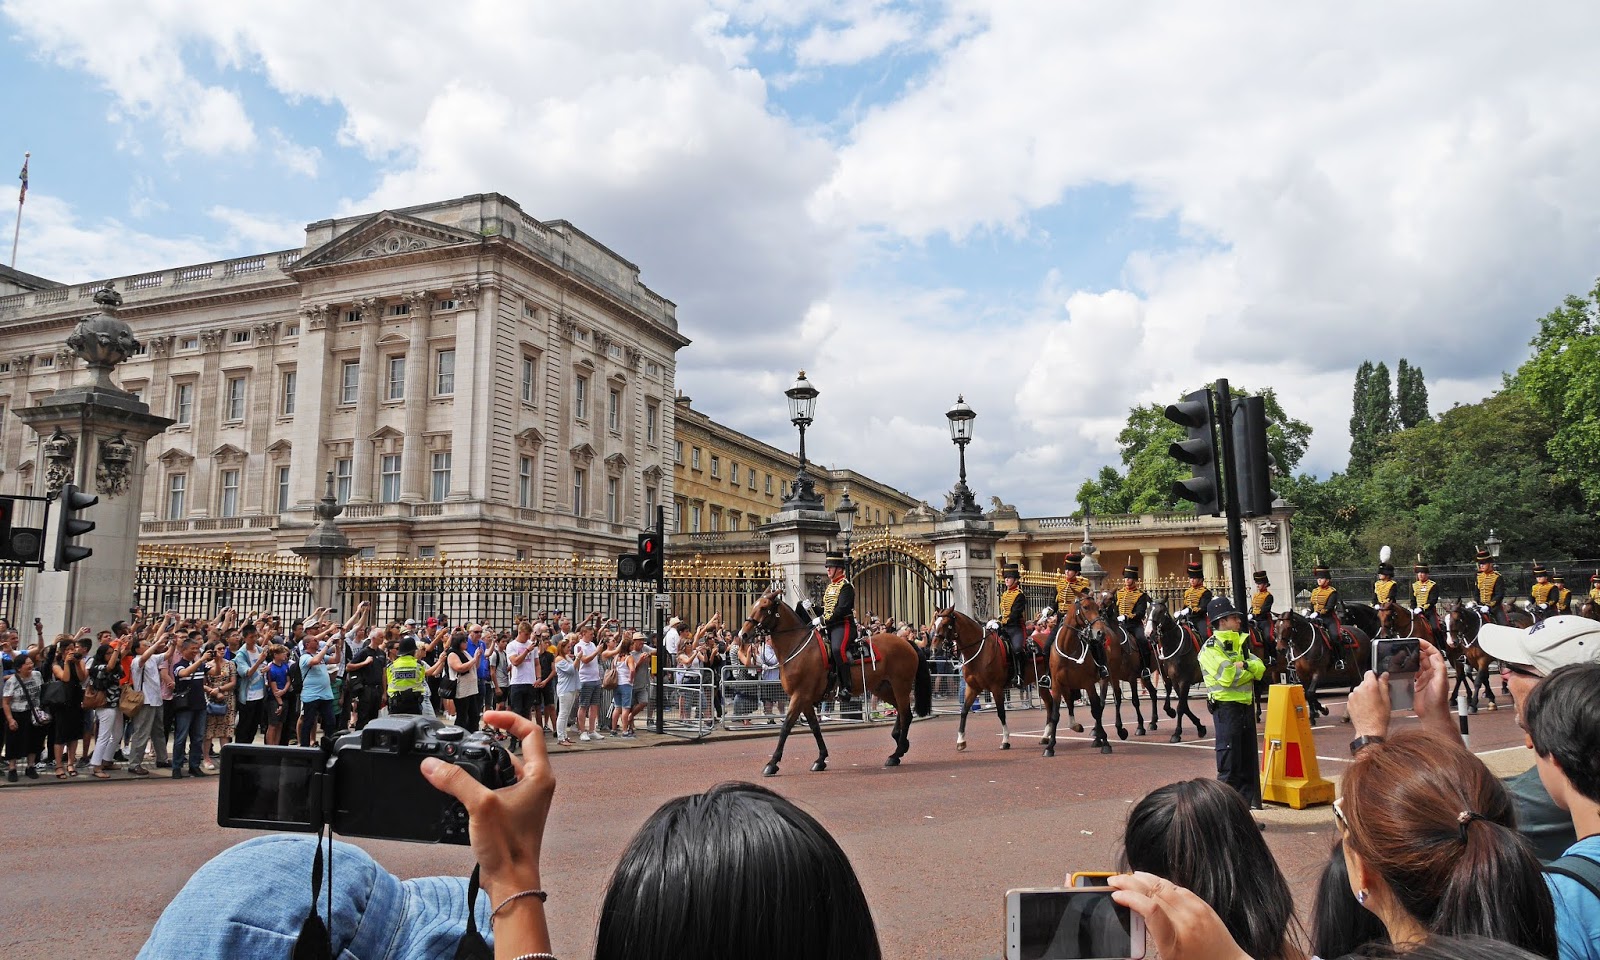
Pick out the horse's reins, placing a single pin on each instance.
(763, 629)
(959, 648)
(1294, 624)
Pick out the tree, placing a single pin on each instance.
(1411, 396)
(1105, 494)
(1372, 414)
(1562, 380)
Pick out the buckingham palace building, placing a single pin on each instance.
(475, 381)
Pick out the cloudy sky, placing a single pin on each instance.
(1060, 209)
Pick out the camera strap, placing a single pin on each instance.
(315, 942)
(472, 945)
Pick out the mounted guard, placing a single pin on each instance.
(1542, 595)
(1423, 602)
(838, 620)
(1325, 604)
(1490, 589)
(1261, 609)
(1133, 608)
(1384, 589)
(1562, 596)
(1071, 586)
(1196, 602)
(1013, 619)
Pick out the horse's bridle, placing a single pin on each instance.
(1294, 620)
(763, 630)
(960, 650)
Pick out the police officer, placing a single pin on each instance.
(1261, 607)
(1197, 599)
(407, 679)
(1013, 616)
(1562, 596)
(1071, 586)
(1490, 589)
(838, 619)
(1423, 601)
(1542, 593)
(1230, 672)
(1133, 605)
(1383, 589)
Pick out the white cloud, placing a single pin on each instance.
(253, 232)
(854, 42)
(55, 244)
(294, 157)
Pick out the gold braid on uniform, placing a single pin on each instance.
(1191, 598)
(1423, 593)
(830, 598)
(1486, 582)
(1384, 590)
(1319, 599)
(1259, 601)
(1008, 599)
(1541, 592)
(1127, 600)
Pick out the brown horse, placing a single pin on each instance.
(1305, 648)
(983, 656)
(1123, 665)
(1177, 649)
(1585, 606)
(1461, 625)
(1072, 669)
(1266, 651)
(1397, 620)
(893, 671)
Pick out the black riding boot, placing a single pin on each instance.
(1099, 654)
(1041, 667)
(842, 675)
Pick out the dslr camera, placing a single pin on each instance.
(367, 783)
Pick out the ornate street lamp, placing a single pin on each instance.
(1090, 567)
(802, 404)
(846, 514)
(1492, 544)
(962, 506)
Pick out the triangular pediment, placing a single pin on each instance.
(174, 456)
(531, 437)
(384, 234)
(227, 453)
(652, 474)
(582, 453)
(386, 433)
(280, 448)
(617, 462)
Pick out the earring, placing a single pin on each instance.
(1361, 896)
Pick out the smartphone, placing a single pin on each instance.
(1071, 923)
(1399, 659)
(1089, 878)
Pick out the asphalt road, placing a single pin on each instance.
(937, 841)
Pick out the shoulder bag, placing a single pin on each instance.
(609, 680)
(41, 716)
(94, 699)
(55, 693)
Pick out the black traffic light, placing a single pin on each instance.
(68, 526)
(1251, 457)
(18, 544)
(628, 567)
(649, 555)
(1199, 451)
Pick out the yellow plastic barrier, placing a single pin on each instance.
(1289, 761)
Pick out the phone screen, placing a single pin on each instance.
(268, 788)
(1077, 924)
(1396, 656)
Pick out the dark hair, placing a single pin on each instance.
(1340, 925)
(118, 627)
(737, 850)
(1432, 820)
(1199, 834)
(103, 653)
(1562, 716)
(1464, 947)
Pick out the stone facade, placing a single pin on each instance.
(481, 383)
(729, 484)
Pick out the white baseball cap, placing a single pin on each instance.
(1546, 646)
(411, 623)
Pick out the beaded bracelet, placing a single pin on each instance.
(536, 956)
(518, 896)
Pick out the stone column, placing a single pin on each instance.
(964, 549)
(1268, 547)
(311, 367)
(798, 546)
(474, 372)
(207, 414)
(372, 388)
(1150, 557)
(419, 388)
(101, 433)
(1209, 565)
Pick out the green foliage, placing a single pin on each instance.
(1562, 380)
(1372, 415)
(1105, 494)
(1411, 396)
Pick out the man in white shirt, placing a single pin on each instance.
(523, 656)
(251, 664)
(147, 722)
(587, 654)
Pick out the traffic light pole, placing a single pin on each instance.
(1230, 489)
(661, 621)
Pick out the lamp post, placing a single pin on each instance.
(846, 514)
(1090, 567)
(962, 506)
(1492, 544)
(802, 404)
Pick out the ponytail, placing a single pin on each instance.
(1495, 888)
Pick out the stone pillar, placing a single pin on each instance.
(419, 388)
(374, 383)
(965, 551)
(99, 438)
(315, 388)
(470, 410)
(1267, 547)
(797, 543)
(1208, 564)
(1151, 559)
(326, 550)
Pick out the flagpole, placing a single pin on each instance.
(22, 195)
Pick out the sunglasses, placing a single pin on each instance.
(1338, 815)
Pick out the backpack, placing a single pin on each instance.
(1576, 866)
(296, 678)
